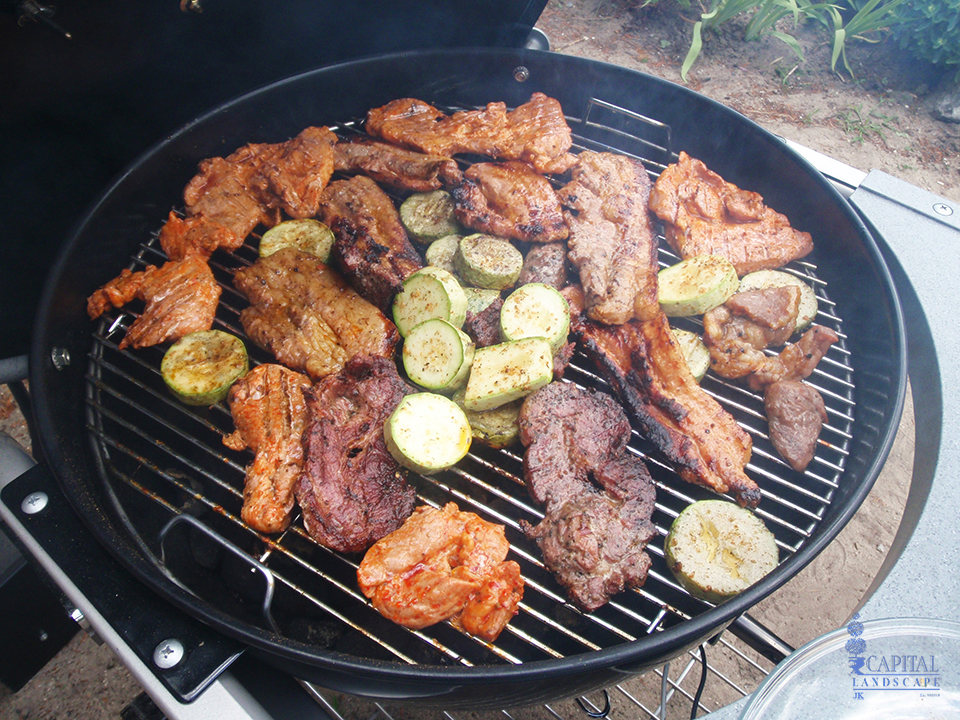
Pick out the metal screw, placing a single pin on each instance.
(34, 503)
(191, 6)
(60, 357)
(168, 654)
(521, 74)
(942, 209)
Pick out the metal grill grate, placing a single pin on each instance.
(179, 489)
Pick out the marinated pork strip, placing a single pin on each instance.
(599, 499)
(308, 316)
(294, 173)
(351, 490)
(394, 166)
(444, 564)
(795, 414)
(703, 442)
(269, 414)
(611, 242)
(703, 214)
(535, 132)
(510, 200)
(195, 235)
(181, 297)
(371, 249)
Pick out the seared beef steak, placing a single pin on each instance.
(796, 413)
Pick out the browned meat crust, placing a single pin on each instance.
(535, 132)
(599, 499)
(394, 166)
(352, 492)
(510, 200)
(611, 242)
(705, 215)
(269, 413)
(308, 316)
(372, 249)
(484, 327)
(547, 264)
(795, 413)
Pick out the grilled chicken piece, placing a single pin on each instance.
(440, 564)
(611, 242)
(195, 235)
(705, 215)
(394, 166)
(352, 492)
(599, 499)
(181, 297)
(535, 132)
(372, 249)
(545, 264)
(646, 367)
(308, 316)
(796, 414)
(269, 413)
(510, 200)
(737, 333)
(292, 174)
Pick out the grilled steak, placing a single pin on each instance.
(703, 214)
(269, 413)
(796, 414)
(611, 242)
(372, 249)
(599, 499)
(510, 200)
(547, 264)
(394, 166)
(308, 316)
(352, 492)
(536, 132)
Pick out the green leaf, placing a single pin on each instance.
(693, 52)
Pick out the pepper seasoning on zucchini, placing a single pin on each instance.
(200, 368)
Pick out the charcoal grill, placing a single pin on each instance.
(167, 501)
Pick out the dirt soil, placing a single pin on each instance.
(879, 119)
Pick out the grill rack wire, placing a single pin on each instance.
(179, 492)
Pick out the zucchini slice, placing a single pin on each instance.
(764, 279)
(430, 292)
(308, 235)
(429, 216)
(536, 310)
(487, 261)
(496, 428)
(437, 356)
(440, 253)
(716, 549)
(696, 285)
(694, 351)
(508, 371)
(427, 433)
(200, 368)
(479, 299)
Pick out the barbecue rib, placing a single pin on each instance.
(510, 200)
(611, 242)
(372, 249)
(705, 215)
(269, 413)
(351, 491)
(535, 132)
(642, 361)
(599, 499)
(394, 166)
(308, 316)
(440, 564)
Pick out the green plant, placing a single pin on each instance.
(873, 16)
(930, 30)
(861, 125)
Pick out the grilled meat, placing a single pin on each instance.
(292, 174)
(510, 200)
(642, 361)
(372, 249)
(394, 166)
(269, 413)
(796, 414)
(484, 327)
(547, 264)
(535, 132)
(611, 242)
(705, 215)
(444, 563)
(599, 499)
(223, 191)
(352, 492)
(195, 235)
(795, 361)
(181, 297)
(308, 316)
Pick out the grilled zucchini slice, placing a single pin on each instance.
(496, 428)
(487, 261)
(696, 285)
(508, 371)
(308, 235)
(430, 292)
(764, 279)
(716, 549)
(429, 216)
(441, 252)
(427, 433)
(437, 356)
(535, 310)
(694, 352)
(200, 368)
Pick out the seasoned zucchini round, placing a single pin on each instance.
(428, 216)
(430, 292)
(694, 352)
(764, 279)
(440, 253)
(496, 428)
(696, 285)
(507, 371)
(200, 367)
(427, 433)
(437, 356)
(308, 235)
(487, 261)
(716, 549)
(535, 310)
